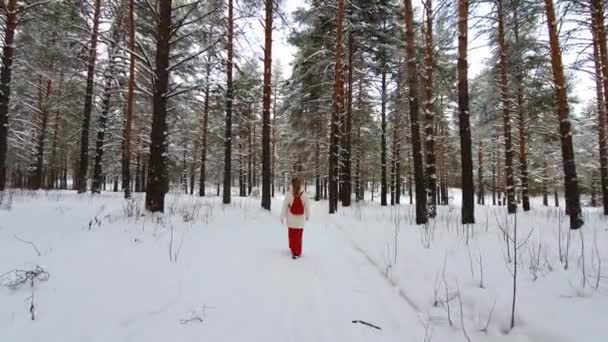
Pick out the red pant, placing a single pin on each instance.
(295, 240)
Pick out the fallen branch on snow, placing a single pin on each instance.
(16, 278)
(367, 324)
(29, 243)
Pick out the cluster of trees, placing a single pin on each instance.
(402, 95)
(379, 100)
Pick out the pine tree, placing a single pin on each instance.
(8, 52)
(128, 122)
(421, 209)
(600, 52)
(266, 166)
(573, 206)
(157, 174)
(429, 124)
(88, 101)
(229, 97)
(468, 190)
(338, 111)
(505, 100)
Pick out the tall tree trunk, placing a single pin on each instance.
(126, 144)
(266, 167)
(431, 173)
(593, 189)
(55, 167)
(88, 103)
(250, 154)
(504, 94)
(480, 194)
(101, 127)
(229, 95)
(600, 54)
(317, 171)
(466, 155)
(158, 181)
(338, 110)
(193, 168)
(359, 186)
(499, 178)
(273, 153)
(347, 134)
(5, 84)
(421, 210)
(64, 176)
(383, 159)
(44, 112)
(254, 168)
(397, 131)
(203, 176)
(573, 204)
(545, 183)
(242, 176)
(392, 181)
(523, 134)
(138, 171)
(184, 176)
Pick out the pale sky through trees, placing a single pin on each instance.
(479, 51)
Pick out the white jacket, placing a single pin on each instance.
(295, 221)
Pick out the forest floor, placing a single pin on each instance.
(104, 270)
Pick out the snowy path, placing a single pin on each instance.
(315, 298)
(115, 283)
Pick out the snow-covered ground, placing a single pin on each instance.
(208, 272)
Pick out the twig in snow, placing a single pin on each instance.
(471, 262)
(16, 278)
(197, 316)
(29, 243)
(190, 320)
(462, 314)
(599, 261)
(367, 324)
(481, 272)
(485, 330)
(445, 283)
(428, 331)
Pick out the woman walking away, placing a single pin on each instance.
(296, 211)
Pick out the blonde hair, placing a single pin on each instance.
(296, 185)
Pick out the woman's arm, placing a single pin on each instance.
(306, 207)
(285, 207)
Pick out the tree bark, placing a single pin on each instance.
(44, 112)
(494, 167)
(88, 103)
(5, 84)
(523, 134)
(101, 127)
(203, 174)
(466, 155)
(480, 194)
(431, 171)
(267, 92)
(250, 154)
(229, 97)
(338, 110)
(158, 181)
(347, 134)
(383, 159)
(600, 54)
(570, 179)
(505, 99)
(545, 183)
(126, 145)
(421, 209)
